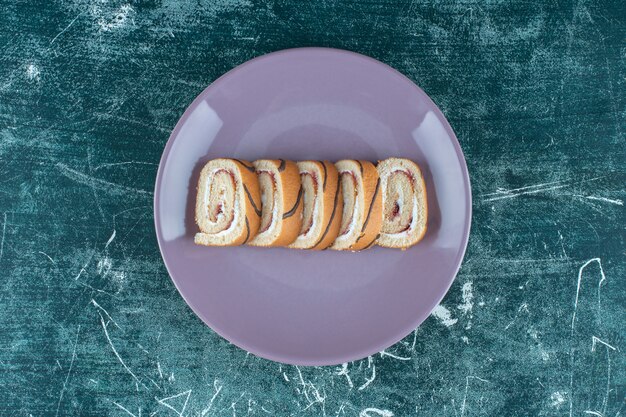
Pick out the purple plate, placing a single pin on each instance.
(305, 307)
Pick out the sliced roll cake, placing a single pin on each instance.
(281, 197)
(405, 209)
(321, 198)
(362, 205)
(228, 206)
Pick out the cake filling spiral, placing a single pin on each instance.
(350, 190)
(269, 200)
(221, 202)
(401, 203)
(310, 187)
(405, 206)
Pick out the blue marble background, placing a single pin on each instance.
(90, 323)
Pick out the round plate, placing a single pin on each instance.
(307, 307)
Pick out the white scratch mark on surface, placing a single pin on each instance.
(391, 355)
(182, 411)
(467, 297)
(604, 199)
(464, 403)
(465, 396)
(344, 371)
(525, 192)
(159, 368)
(600, 284)
(66, 28)
(562, 246)
(4, 229)
(32, 72)
(532, 189)
(110, 239)
(98, 183)
(126, 211)
(119, 358)
(114, 164)
(595, 340)
(47, 256)
(69, 371)
(414, 340)
(580, 277)
(285, 377)
(99, 307)
(96, 289)
(444, 316)
(317, 397)
(572, 350)
(468, 304)
(369, 380)
(383, 413)
(304, 385)
(595, 413)
(522, 307)
(246, 358)
(124, 408)
(84, 266)
(134, 121)
(233, 405)
(501, 191)
(106, 333)
(217, 392)
(571, 384)
(153, 382)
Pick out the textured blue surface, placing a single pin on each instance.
(90, 323)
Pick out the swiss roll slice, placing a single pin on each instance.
(362, 205)
(322, 205)
(281, 197)
(405, 209)
(228, 205)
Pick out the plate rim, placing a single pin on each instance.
(419, 318)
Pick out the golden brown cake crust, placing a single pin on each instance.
(253, 200)
(374, 207)
(291, 210)
(292, 202)
(333, 205)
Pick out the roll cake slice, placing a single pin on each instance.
(281, 197)
(362, 205)
(228, 205)
(322, 205)
(405, 210)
